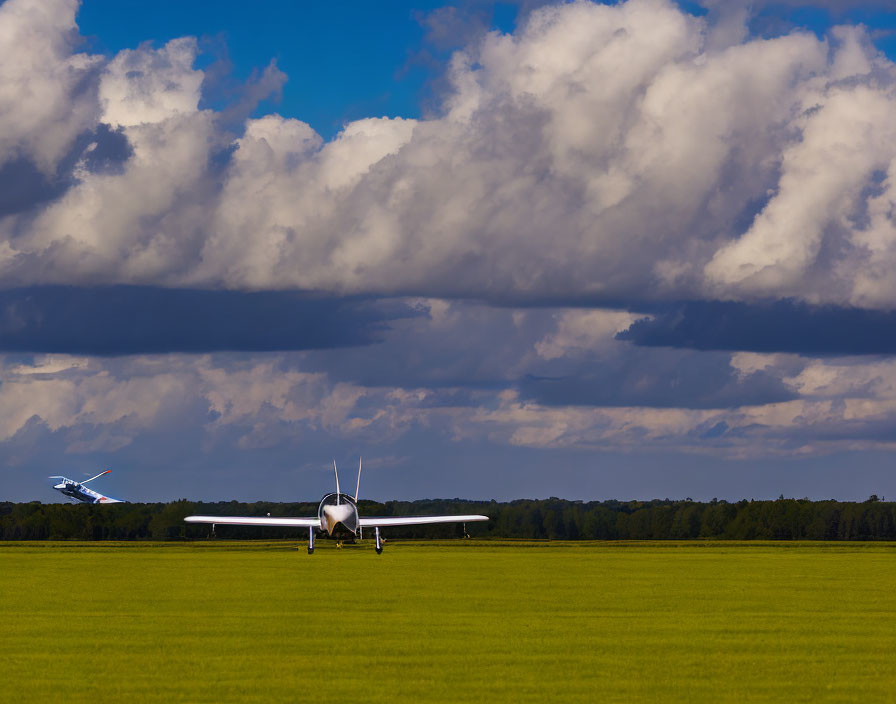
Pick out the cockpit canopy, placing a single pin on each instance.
(336, 499)
(342, 508)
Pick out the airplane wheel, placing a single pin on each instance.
(310, 551)
(379, 551)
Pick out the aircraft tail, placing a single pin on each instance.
(337, 482)
(357, 485)
(97, 476)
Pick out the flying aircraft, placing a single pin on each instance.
(337, 518)
(76, 490)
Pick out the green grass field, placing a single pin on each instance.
(448, 622)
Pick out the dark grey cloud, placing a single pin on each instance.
(471, 347)
(118, 320)
(107, 150)
(481, 348)
(676, 379)
(779, 326)
(24, 186)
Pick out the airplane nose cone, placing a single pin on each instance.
(336, 514)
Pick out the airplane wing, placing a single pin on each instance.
(387, 521)
(256, 521)
(108, 500)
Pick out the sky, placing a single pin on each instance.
(500, 250)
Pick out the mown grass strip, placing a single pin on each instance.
(447, 622)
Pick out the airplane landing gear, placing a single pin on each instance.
(379, 542)
(310, 540)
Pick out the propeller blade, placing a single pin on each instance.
(358, 485)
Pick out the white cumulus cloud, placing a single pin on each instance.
(624, 151)
(46, 97)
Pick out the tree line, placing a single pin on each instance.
(555, 519)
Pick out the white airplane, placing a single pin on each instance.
(337, 518)
(76, 490)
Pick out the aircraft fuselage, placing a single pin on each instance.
(79, 492)
(338, 514)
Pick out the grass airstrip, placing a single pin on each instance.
(461, 621)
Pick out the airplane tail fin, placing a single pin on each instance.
(337, 481)
(358, 485)
(96, 477)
